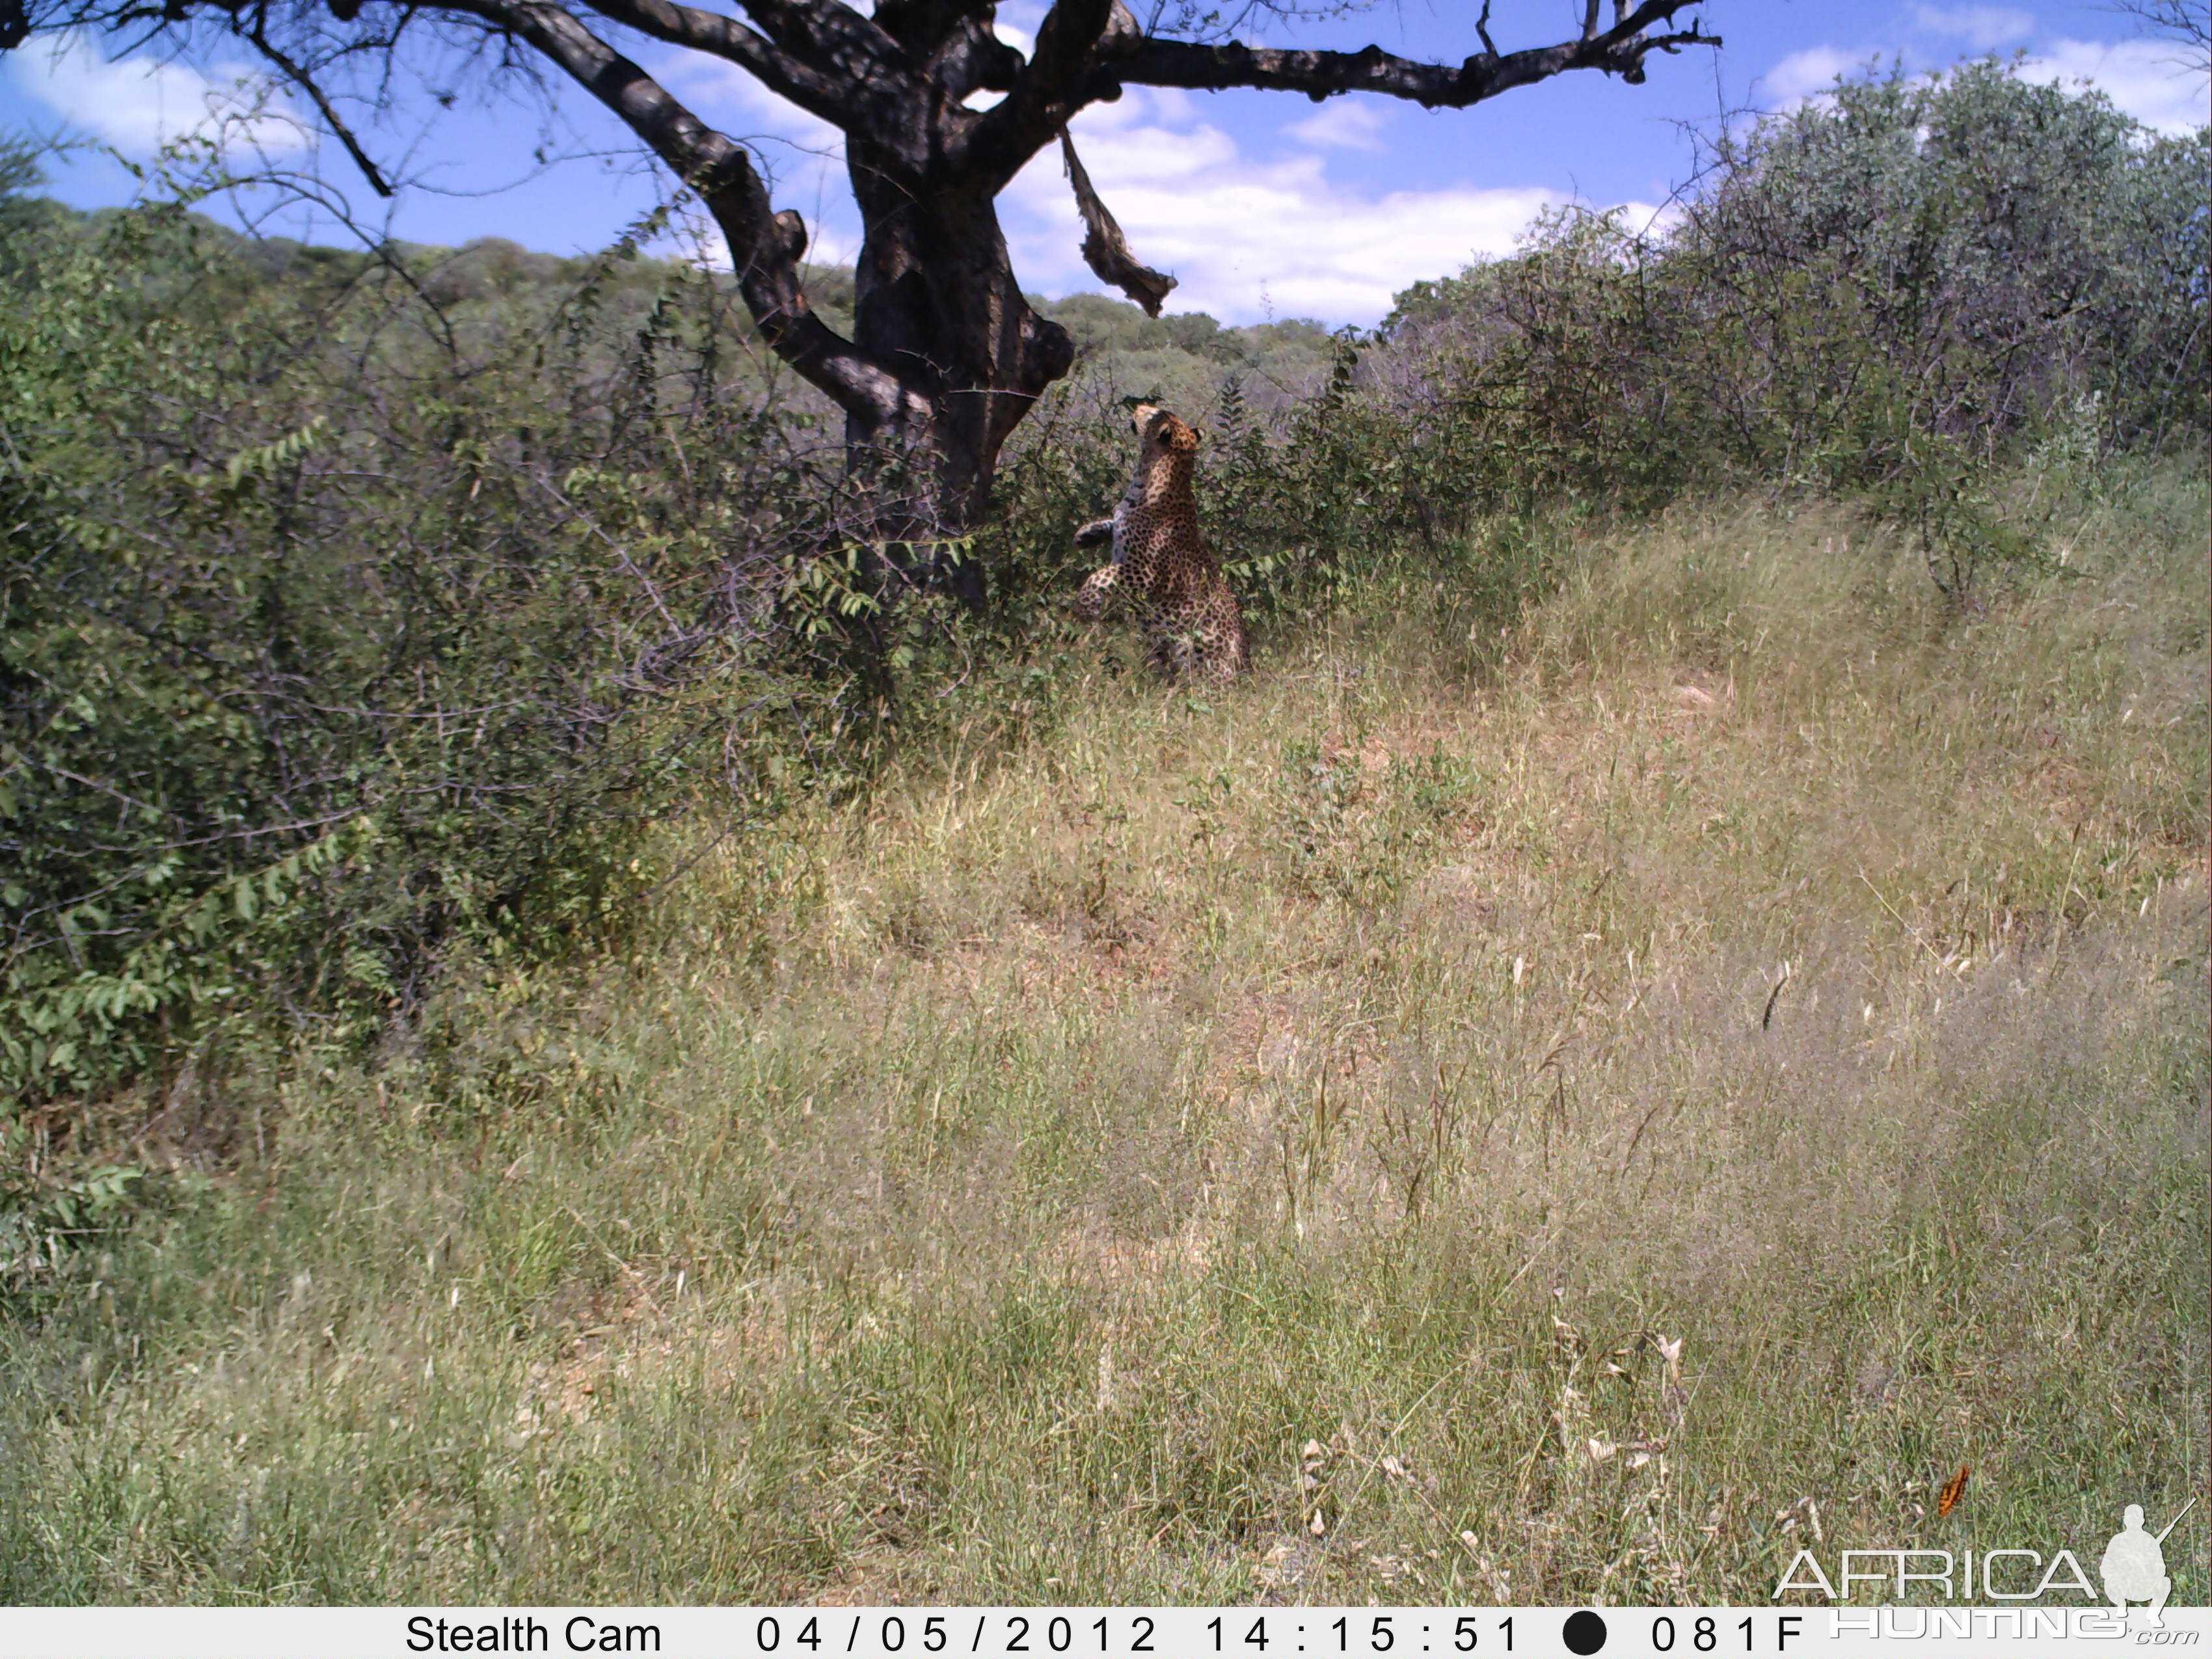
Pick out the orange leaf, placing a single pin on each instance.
(1954, 1490)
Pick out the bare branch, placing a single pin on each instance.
(1075, 36)
(969, 57)
(1064, 41)
(2185, 22)
(726, 37)
(1618, 50)
(835, 37)
(846, 81)
(765, 246)
(308, 84)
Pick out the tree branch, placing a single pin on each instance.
(308, 84)
(1064, 41)
(725, 37)
(837, 41)
(1075, 36)
(2183, 22)
(765, 246)
(1619, 51)
(958, 49)
(839, 67)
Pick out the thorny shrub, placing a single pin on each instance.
(337, 626)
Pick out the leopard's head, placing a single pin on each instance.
(1162, 429)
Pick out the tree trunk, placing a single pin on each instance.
(936, 298)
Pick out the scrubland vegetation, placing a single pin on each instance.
(565, 1050)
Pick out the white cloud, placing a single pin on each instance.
(1246, 236)
(1243, 235)
(139, 104)
(1982, 27)
(1805, 74)
(2140, 76)
(1341, 123)
(2145, 78)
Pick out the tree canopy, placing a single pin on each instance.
(945, 350)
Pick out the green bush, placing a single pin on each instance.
(1894, 289)
(1903, 290)
(327, 636)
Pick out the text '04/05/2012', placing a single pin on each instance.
(1834, 1631)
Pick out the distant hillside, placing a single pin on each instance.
(1182, 358)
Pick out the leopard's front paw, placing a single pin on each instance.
(1090, 599)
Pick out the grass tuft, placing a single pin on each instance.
(1571, 1109)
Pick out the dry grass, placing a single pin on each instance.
(1557, 1114)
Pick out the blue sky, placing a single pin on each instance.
(1264, 204)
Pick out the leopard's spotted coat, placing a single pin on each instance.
(1162, 569)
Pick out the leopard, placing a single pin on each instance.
(1163, 567)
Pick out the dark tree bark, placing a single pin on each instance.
(945, 357)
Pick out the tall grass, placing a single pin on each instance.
(1571, 1105)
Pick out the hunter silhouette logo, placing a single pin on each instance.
(2134, 1567)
